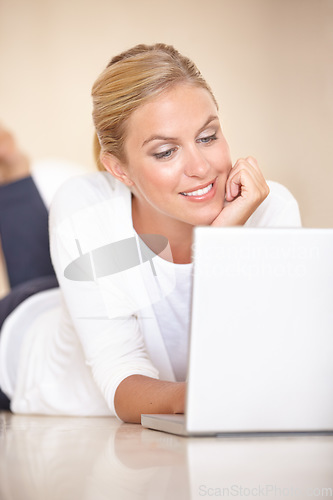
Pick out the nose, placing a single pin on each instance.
(196, 164)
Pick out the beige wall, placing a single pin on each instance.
(268, 61)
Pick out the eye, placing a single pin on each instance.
(164, 154)
(208, 139)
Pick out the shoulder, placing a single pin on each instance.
(86, 192)
(50, 173)
(279, 193)
(95, 186)
(279, 209)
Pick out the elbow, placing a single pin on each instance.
(125, 403)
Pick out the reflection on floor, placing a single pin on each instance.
(49, 458)
(66, 458)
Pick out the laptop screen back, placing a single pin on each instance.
(261, 347)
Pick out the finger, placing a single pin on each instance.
(239, 175)
(249, 162)
(255, 172)
(253, 162)
(236, 182)
(244, 183)
(235, 186)
(229, 182)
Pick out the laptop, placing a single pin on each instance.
(261, 339)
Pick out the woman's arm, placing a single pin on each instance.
(101, 312)
(138, 394)
(246, 189)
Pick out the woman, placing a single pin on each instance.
(119, 345)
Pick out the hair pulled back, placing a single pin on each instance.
(130, 80)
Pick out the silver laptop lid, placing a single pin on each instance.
(261, 347)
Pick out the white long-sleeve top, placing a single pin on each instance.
(81, 341)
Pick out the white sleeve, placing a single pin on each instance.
(86, 214)
(279, 209)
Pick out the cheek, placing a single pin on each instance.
(155, 178)
(165, 173)
(225, 154)
(229, 167)
(222, 161)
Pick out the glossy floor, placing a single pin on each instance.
(51, 458)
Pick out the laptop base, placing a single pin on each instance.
(176, 424)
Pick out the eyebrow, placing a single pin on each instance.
(210, 119)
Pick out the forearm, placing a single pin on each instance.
(138, 394)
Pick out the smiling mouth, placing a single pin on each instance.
(199, 192)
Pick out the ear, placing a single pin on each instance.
(116, 168)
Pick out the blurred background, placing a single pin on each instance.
(269, 62)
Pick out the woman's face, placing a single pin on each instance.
(177, 159)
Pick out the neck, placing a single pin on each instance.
(179, 234)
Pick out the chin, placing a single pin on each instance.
(204, 219)
(207, 218)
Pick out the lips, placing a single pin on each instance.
(199, 190)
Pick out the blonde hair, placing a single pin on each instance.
(129, 81)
